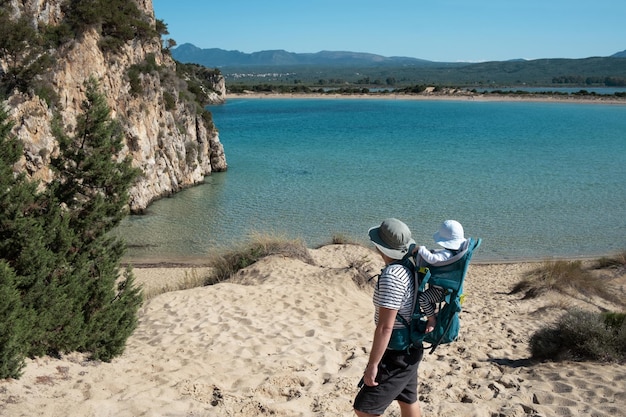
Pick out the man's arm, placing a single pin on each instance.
(382, 334)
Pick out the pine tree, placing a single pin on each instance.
(16, 195)
(60, 280)
(14, 325)
(92, 185)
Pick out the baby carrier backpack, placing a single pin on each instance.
(449, 276)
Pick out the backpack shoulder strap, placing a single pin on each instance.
(410, 263)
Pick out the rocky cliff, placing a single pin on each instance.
(170, 137)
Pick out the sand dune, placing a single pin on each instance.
(286, 338)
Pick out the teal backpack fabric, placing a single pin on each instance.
(449, 276)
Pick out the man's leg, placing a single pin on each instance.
(362, 414)
(410, 410)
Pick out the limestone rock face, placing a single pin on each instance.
(166, 135)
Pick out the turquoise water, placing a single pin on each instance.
(534, 180)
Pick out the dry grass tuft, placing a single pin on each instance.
(362, 272)
(566, 277)
(223, 265)
(227, 263)
(192, 279)
(339, 239)
(614, 262)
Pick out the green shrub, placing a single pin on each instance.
(191, 153)
(613, 320)
(199, 80)
(207, 118)
(110, 43)
(55, 36)
(134, 72)
(134, 79)
(48, 94)
(169, 100)
(149, 64)
(582, 335)
(161, 27)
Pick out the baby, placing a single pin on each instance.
(450, 237)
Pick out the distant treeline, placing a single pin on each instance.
(596, 71)
(579, 79)
(415, 89)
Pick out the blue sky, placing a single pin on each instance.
(437, 30)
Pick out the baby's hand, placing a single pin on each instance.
(415, 250)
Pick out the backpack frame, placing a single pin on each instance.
(450, 276)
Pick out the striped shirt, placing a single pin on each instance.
(395, 291)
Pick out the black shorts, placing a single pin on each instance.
(397, 380)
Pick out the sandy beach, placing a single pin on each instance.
(449, 95)
(287, 338)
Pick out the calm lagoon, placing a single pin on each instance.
(534, 180)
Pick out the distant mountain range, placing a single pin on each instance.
(215, 57)
(219, 58)
(358, 69)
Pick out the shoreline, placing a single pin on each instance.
(446, 96)
(203, 262)
(158, 277)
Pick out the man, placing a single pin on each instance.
(391, 374)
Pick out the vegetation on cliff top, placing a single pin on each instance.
(26, 48)
(29, 51)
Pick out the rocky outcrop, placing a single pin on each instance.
(166, 134)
